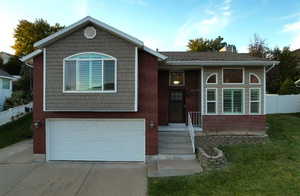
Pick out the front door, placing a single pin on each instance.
(176, 106)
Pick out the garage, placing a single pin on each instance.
(95, 139)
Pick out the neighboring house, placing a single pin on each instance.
(102, 95)
(5, 56)
(5, 87)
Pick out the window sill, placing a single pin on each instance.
(95, 92)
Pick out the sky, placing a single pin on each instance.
(167, 25)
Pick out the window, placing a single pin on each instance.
(176, 78)
(212, 79)
(233, 101)
(90, 72)
(253, 79)
(254, 100)
(5, 83)
(233, 75)
(211, 101)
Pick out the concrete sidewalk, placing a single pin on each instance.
(20, 176)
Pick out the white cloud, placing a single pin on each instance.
(291, 27)
(290, 16)
(296, 42)
(6, 33)
(217, 18)
(136, 2)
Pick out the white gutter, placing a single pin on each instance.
(31, 55)
(155, 53)
(227, 63)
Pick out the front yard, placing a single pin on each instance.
(266, 169)
(16, 131)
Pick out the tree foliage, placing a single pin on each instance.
(204, 45)
(281, 78)
(258, 47)
(26, 33)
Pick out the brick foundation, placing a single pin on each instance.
(234, 123)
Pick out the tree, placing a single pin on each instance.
(1, 61)
(288, 87)
(281, 78)
(203, 45)
(258, 47)
(13, 66)
(26, 33)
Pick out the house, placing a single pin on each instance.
(102, 95)
(5, 57)
(5, 87)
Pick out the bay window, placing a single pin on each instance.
(90, 72)
(254, 100)
(211, 101)
(233, 101)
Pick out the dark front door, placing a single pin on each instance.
(176, 106)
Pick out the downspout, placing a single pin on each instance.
(270, 68)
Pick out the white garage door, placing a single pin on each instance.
(95, 139)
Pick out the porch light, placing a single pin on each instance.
(176, 82)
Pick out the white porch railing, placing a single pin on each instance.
(194, 121)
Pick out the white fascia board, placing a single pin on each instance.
(218, 63)
(31, 55)
(7, 77)
(155, 53)
(94, 21)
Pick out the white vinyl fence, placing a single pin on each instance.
(282, 103)
(13, 113)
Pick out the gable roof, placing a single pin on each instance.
(214, 58)
(73, 27)
(53, 37)
(4, 74)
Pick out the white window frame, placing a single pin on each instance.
(259, 101)
(259, 80)
(243, 104)
(243, 75)
(90, 59)
(210, 75)
(216, 101)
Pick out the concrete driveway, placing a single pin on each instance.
(19, 175)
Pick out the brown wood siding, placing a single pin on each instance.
(147, 104)
(104, 42)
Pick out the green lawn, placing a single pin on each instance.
(16, 131)
(266, 169)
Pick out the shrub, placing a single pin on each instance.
(17, 98)
(288, 87)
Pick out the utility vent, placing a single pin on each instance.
(90, 32)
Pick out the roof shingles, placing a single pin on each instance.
(210, 56)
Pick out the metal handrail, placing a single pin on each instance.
(191, 131)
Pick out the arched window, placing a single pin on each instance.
(90, 72)
(212, 79)
(254, 79)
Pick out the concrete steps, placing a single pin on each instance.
(174, 143)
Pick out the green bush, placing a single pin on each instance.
(17, 98)
(288, 87)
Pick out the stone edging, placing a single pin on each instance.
(209, 162)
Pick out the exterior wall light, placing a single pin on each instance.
(37, 124)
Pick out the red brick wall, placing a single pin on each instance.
(235, 123)
(163, 97)
(192, 91)
(147, 104)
